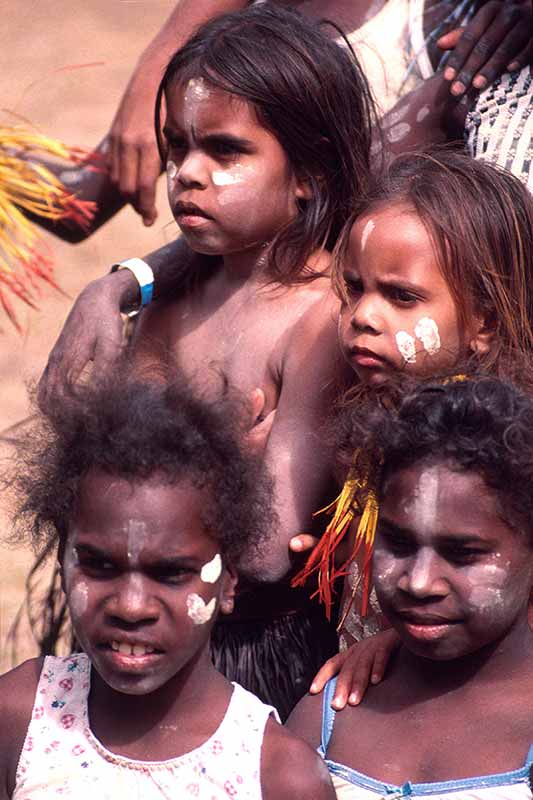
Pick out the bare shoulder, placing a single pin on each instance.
(306, 719)
(291, 768)
(17, 695)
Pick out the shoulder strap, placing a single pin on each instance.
(328, 716)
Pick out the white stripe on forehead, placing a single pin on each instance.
(196, 92)
(137, 534)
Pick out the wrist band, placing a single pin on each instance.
(143, 274)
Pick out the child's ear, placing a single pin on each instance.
(304, 190)
(229, 585)
(484, 332)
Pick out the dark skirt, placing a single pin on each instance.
(275, 658)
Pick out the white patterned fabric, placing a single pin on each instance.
(62, 758)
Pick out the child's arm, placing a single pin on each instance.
(17, 694)
(312, 372)
(290, 768)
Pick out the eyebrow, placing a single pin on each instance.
(444, 538)
(228, 139)
(160, 563)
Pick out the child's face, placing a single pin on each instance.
(400, 313)
(230, 185)
(450, 574)
(143, 579)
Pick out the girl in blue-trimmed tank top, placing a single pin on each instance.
(453, 571)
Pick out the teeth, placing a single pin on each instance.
(131, 649)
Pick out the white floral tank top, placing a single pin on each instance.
(61, 757)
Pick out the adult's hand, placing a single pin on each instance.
(93, 331)
(498, 39)
(133, 159)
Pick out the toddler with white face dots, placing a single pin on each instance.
(150, 520)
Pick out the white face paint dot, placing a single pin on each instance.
(427, 331)
(210, 572)
(172, 170)
(198, 610)
(367, 230)
(398, 132)
(422, 114)
(407, 346)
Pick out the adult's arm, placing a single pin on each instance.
(93, 330)
(133, 158)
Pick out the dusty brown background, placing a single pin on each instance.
(39, 42)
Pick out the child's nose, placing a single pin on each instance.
(132, 602)
(193, 171)
(423, 577)
(365, 314)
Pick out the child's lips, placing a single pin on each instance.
(189, 215)
(364, 357)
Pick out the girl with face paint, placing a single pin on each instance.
(453, 572)
(149, 519)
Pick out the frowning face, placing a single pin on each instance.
(399, 313)
(230, 185)
(144, 579)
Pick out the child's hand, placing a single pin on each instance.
(498, 39)
(362, 664)
(303, 542)
(257, 437)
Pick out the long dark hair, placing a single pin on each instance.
(311, 94)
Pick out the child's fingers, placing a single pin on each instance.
(302, 543)
(327, 671)
(257, 404)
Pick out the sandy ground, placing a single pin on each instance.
(39, 42)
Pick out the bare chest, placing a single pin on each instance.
(433, 742)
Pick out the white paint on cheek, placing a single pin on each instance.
(407, 346)
(398, 132)
(488, 592)
(69, 561)
(172, 170)
(198, 610)
(210, 572)
(228, 177)
(422, 114)
(427, 331)
(367, 230)
(78, 599)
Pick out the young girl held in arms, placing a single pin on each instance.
(453, 572)
(151, 503)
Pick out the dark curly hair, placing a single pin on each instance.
(133, 429)
(480, 424)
